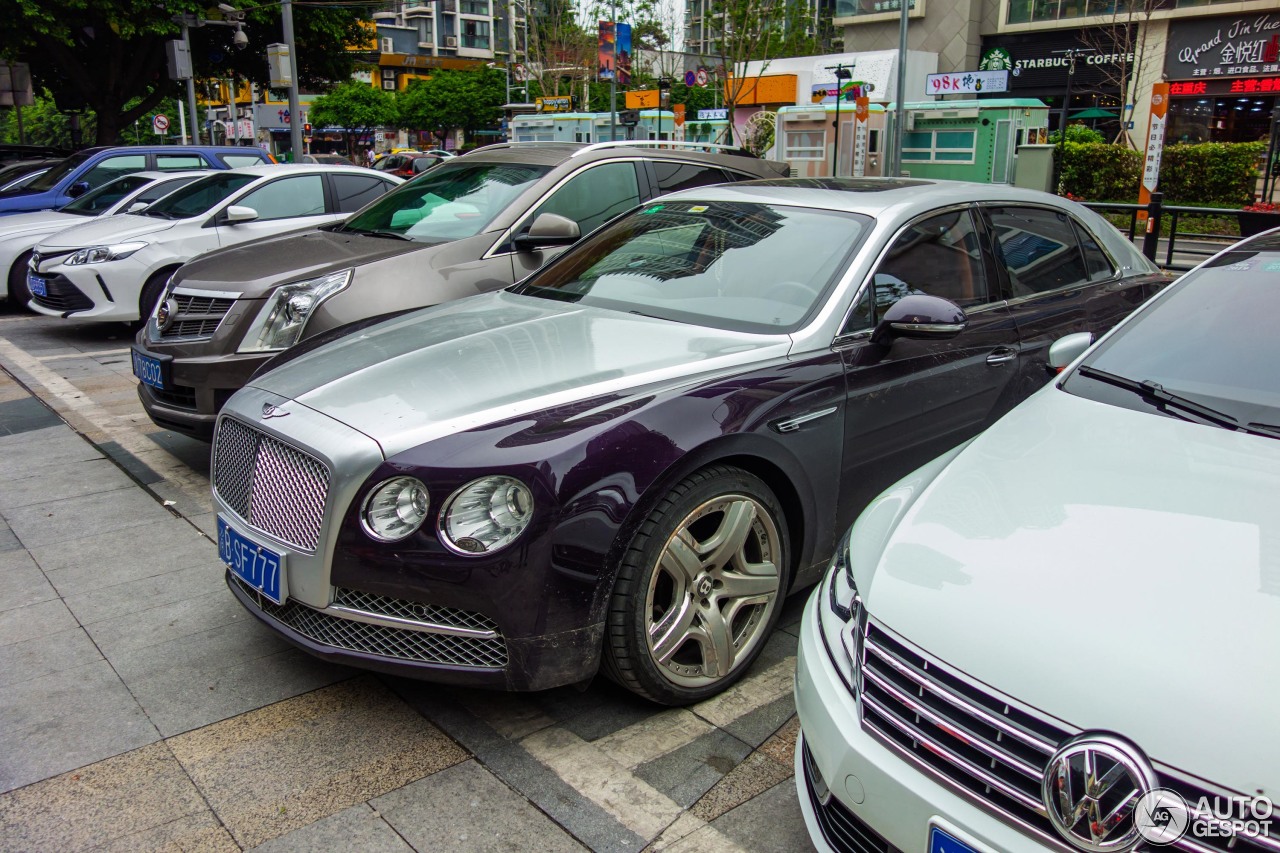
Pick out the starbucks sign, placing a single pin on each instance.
(996, 59)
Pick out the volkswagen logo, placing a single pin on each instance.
(1091, 788)
(165, 313)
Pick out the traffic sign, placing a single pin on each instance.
(160, 124)
(690, 78)
(702, 77)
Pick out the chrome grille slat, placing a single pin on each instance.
(395, 643)
(426, 615)
(274, 487)
(936, 746)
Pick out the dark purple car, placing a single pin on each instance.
(627, 460)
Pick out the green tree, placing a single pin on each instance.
(470, 100)
(108, 56)
(355, 107)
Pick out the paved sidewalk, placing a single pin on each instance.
(141, 708)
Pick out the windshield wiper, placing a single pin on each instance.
(389, 234)
(1153, 392)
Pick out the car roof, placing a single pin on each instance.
(870, 196)
(267, 170)
(555, 153)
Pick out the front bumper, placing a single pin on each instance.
(878, 801)
(92, 292)
(198, 389)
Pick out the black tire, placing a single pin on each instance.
(693, 589)
(19, 293)
(150, 297)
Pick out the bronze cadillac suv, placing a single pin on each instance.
(476, 223)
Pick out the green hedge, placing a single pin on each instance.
(1207, 174)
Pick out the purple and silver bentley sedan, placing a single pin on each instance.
(626, 461)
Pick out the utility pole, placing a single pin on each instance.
(295, 111)
(613, 79)
(843, 72)
(900, 115)
(191, 85)
(1071, 54)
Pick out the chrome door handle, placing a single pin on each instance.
(1002, 355)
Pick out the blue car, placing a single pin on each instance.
(93, 167)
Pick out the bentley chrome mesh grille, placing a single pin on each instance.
(450, 617)
(984, 744)
(273, 486)
(398, 643)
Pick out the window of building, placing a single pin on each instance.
(857, 8)
(805, 145)
(474, 7)
(938, 146)
(475, 34)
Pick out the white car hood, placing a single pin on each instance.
(1116, 569)
(39, 222)
(102, 230)
(450, 368)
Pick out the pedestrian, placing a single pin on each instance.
(368, 156)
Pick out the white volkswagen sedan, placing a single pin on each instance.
(1063, 634)
(116, 269)
(21, 232)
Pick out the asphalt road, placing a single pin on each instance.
(141, 708)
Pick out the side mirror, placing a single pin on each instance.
(549, 229)
(136, 206)
(920, 316)
(78, 189)
(235, 214)
(1065, 350)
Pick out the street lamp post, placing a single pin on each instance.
(295, 111)
(1071, 54)
(843, 72)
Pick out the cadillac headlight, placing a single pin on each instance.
(486, 515)
(395, 509)
(101, 254)
(838, 615)
(280, 322)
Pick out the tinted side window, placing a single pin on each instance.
(235, 161)
(355, 191)
(300, 196)
(685, 176)
(179, 161)
(940, 256)
(1038, 249)
(160, 189)
(592, 197)
(114, 167)
(1095, 260)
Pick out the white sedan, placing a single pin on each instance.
(1062, 634)
(116, 269)
(20, 232)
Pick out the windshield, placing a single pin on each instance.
(96, 201)
(1208, 343)
(450, 202)
(199, 196)
(50, 179)
(729, 265)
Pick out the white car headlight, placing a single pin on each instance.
(395, 509)
(486, 515)
(838, 614)
(101, 254)
(280, 322)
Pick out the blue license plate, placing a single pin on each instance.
(38, 285)
(256, 565)
(150, 371)
(942, 842)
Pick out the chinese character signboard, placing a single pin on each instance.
(713, 115)
(1155, 146)
(966, 82)
(1232, 46)
(861, 111)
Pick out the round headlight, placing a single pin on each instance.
(395, 509)
(486, 515)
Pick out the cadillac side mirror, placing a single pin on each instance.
(549, 229)
(920, 316)
(1065, 350)
(236, 213)
(78, 189)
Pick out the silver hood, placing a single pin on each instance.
(1116, 569)
(460, 365)
(39, 222)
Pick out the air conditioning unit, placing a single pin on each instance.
(450, 41)
(388, 46)
(426, 44)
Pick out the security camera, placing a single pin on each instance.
(240, 40)
(225, 7)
